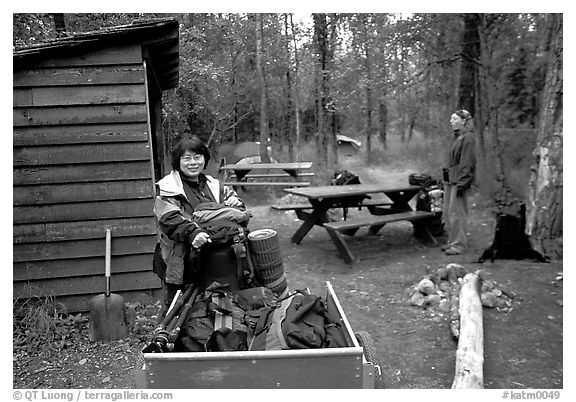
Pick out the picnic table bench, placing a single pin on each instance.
(293, 170)
(375, 222)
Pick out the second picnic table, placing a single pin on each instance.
(323, 198)
(291, 169)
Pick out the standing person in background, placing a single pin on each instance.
(177, 196)
(458, 179)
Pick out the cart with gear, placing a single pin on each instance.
(354, 366)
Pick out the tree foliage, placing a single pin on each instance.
(372, 77)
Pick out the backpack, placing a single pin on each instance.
(429, 199)
(419, 179)
(343, 178)
(214, 323)
(510, 239)
(299, 321)
(227, 258)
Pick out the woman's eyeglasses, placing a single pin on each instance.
(196, 158)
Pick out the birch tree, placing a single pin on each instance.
(544, 223)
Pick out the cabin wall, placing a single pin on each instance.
(81, 164)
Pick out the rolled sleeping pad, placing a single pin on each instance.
(268, 266)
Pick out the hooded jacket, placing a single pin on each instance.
(462, 159)
(176, 227)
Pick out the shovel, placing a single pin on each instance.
(107, 311)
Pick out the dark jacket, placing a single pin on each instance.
(462, 160)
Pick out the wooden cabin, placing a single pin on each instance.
(87, 150)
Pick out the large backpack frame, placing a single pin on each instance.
(227, 258)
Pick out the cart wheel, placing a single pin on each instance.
(370, 353)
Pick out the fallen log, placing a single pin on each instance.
(470, 352)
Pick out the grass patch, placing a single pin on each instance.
(41, 323)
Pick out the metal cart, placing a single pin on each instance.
(355, 366)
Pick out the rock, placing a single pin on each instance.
(455, 271)
(560, 276)
(445, 306)
(426, 286)
(418, 299)
(560, 302)
(459, 270)
(435, 278)
(442, 273)
(444, 286)
(496, 292)
(500, 303)
(487, 286)
(509, 294)
(489, 300)
(432, 300)
(482, 274)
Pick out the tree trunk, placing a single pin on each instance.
(544, 222)
(488, 118)
(289, 107)
(403, 74)
(469, 90)
(265, 158)
(469, 66)
(502, 193)
(382, 122)
(321, 42)
(332, 142)
(480, 105)
(297, 95)
(235, 94)
(368, 67)
(470, 353)
(411, 124)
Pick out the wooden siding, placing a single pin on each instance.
(79, 76)
(81, 164)
(79, 134)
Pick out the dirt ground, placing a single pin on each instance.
(523, 347)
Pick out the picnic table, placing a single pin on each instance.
(268, 171)
(323, 198)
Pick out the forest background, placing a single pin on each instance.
(390, 81)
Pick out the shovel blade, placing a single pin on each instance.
(107, 318)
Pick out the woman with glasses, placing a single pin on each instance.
(177, 196)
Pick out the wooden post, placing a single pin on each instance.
(470, 353)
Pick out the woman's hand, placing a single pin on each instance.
(233, 201)
(201, 239)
